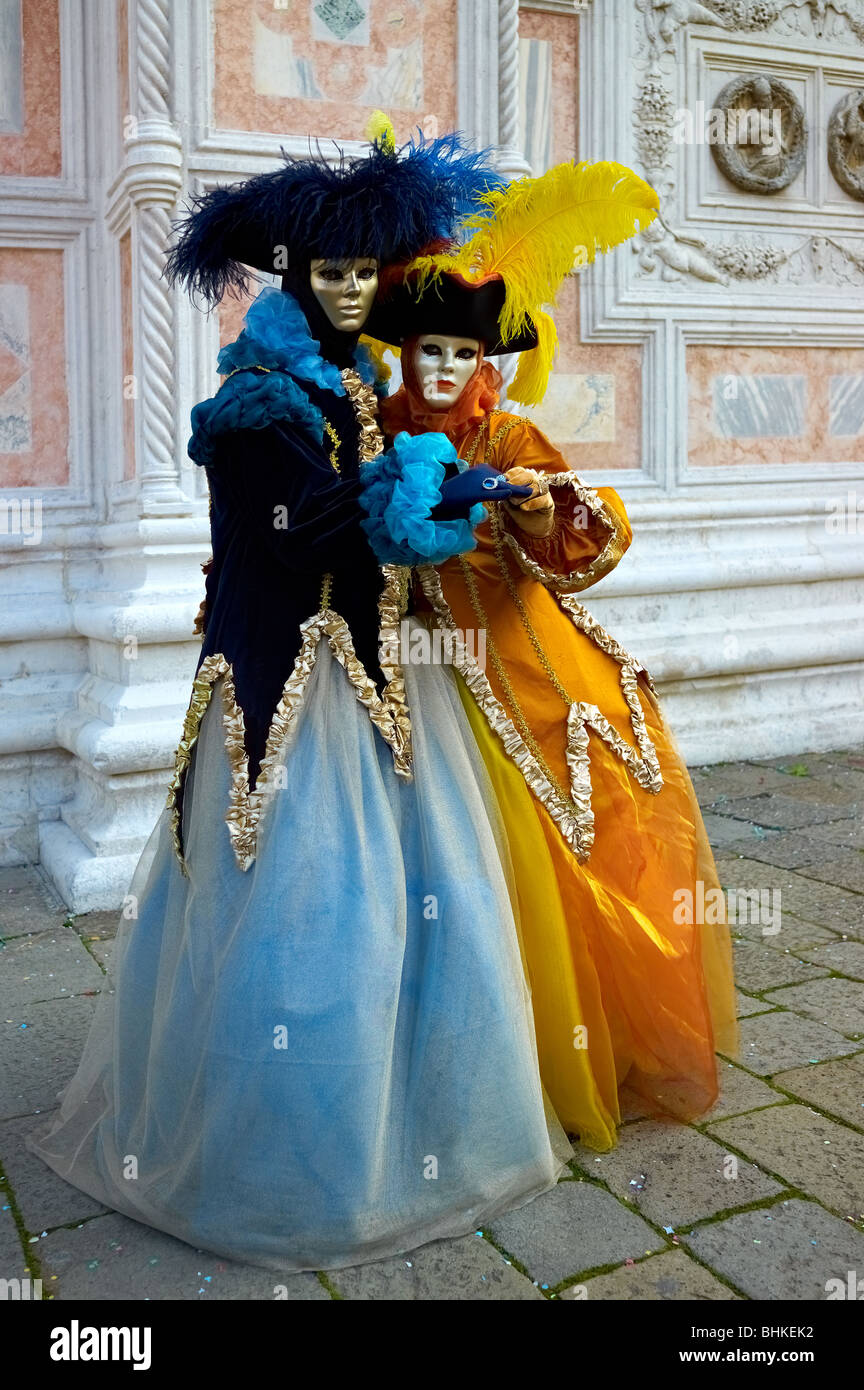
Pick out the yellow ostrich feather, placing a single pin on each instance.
(528, 386)
(533, 232)
(379, 131)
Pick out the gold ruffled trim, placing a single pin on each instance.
(365, 405)
(394, 698)
(245, 808)
(202, 688)
(600, 565)
(577, 827)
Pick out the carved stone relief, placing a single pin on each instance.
(846, 143)
(766, 134)
(672, 253)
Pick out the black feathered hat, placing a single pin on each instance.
(387, 205)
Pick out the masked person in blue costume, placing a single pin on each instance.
(318, 1047)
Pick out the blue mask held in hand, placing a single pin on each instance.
(478, 484)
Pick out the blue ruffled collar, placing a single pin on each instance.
(277, 335)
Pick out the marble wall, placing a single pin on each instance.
(321, 66)
(767, 405)
(593, 407)
(29, 88)
(34, 417)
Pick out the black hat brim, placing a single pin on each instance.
(451, 307)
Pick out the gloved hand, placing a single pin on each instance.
(478, 484)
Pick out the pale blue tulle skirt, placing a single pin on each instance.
(329, 1058)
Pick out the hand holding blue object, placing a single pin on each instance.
(478, 484)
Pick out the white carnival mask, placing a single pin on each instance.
(444, 366)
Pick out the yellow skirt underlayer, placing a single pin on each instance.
(624, 994)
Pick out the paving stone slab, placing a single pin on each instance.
(43, 1198)
(45, 965)
(823, 1158)
(846, 957)
(845, 869)
(837, 1003)
(794, 934)
(798, 935)
(102, 952)
(745, 1007)
(465, 1269)
(575, 1227)
(789, 1252)
(786, 849)
(100, 926)
(834, 909)
(835, 775)
(728, 836)
(739, 1091)
(848, 833)
(681, 1172)
(757, 967)
(831, 785)
(28, 903)
(836, 1087)
(12, 1258)
(775, 1042)
(720, 781)
(41, 1046)
(668, 1277)
(779, 811)
(112, 1257)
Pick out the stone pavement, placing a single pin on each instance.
(763, 1199)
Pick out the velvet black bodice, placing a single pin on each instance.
(282, 517)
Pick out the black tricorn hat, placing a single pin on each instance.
(387, 205)
(450, 305)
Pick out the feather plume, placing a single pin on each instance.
(380, 132)
(387, 204)
(533, 231)
(532, 375)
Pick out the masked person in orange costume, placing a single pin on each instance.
(604, 829)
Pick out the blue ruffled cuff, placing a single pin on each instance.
(399, 490)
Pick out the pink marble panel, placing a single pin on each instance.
(34, 407)
(620, 361)
(320, 67)
(36, 150)
(562, 33)
(123, 90)
(713, 370)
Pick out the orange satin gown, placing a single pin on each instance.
(625, 993)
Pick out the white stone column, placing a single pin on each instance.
(133, 591)
(153, 176)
